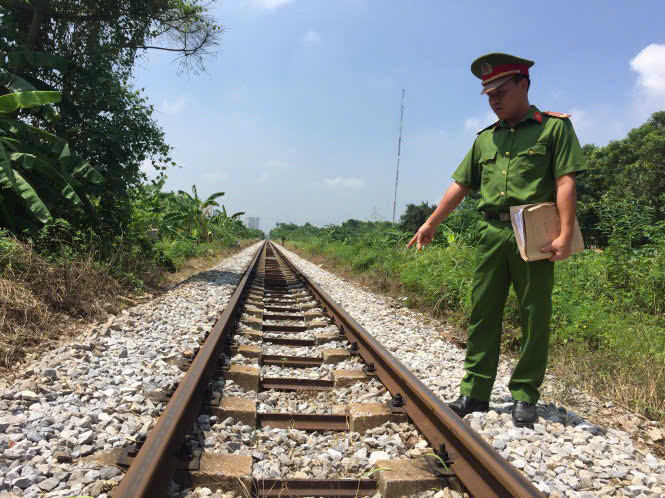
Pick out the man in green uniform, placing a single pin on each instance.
(526, 157)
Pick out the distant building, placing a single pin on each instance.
(253, 222)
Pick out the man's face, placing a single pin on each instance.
(507, 100)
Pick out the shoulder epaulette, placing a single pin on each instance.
(556, 114)
(488, 127)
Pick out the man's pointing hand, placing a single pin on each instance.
(423, 236)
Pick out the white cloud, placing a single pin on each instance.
(173, 107)
(263, 177)
(476, 123)
(344, 183)
(311, 38)
(270, 4)
(650, 65)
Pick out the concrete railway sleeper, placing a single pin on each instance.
(284, 369)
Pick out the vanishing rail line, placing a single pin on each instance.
(286, 303)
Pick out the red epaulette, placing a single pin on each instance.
(556, 114)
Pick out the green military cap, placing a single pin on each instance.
(497, 68)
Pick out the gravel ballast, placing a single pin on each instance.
(563, 455)
(91, 395)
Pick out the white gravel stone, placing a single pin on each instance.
(321, 402)
(290, 453)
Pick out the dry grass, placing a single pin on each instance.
(636, 385)
(42, 302)
(35, 296)
(24, 321)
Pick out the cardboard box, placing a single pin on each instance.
(536, 225)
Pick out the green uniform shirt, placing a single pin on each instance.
(513, 166)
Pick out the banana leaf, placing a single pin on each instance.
(57, 177)
(6, 168)
(25, 190)
(17, 84)
(85, 170)
(71, 189)
(175, 217)
(10, 142)
(14, 83)
(38, 59)
(58, 146)
(210, 201)
(23, 100)
(185, 195)
(26, 160)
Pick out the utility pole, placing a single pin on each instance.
(399, 151)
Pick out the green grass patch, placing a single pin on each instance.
(608, 308)
(180, 250)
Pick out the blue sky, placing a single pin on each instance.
(297, 117)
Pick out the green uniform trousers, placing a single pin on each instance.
(498, 263)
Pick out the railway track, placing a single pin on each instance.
(285, 367)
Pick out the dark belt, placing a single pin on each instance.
(494, 216)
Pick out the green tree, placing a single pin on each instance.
(291, 231)
(38, 175)
(624, 186)
(87, 50)
(415, 215)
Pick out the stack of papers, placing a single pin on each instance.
(519, 224)
(536, 225)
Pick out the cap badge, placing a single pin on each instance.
(486, 68)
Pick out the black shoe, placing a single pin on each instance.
(524, 414)
(465, 405)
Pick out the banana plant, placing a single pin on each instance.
(223, 220)
(188, 213)
(35, 165)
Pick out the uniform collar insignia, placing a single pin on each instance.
(534, 114)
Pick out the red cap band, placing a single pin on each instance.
(504, 69)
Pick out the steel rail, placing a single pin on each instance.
(155, 464)
(479, 467)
